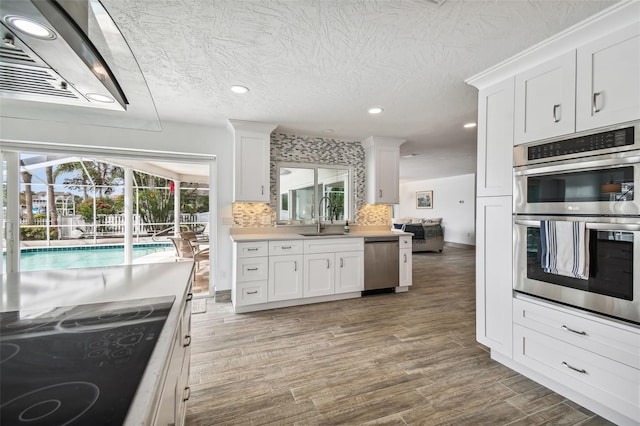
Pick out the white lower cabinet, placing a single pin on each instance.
(319, 274)
(349, 271)
(285, 277)
(406, 262)
(596, 358)
(175, 391)
(250, 273)
(285, 270)
(277, 273)
(333, 266)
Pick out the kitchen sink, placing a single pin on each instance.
(322, 234)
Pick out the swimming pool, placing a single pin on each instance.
(36, 259)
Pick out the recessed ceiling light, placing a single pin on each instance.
(470, 125)
(375, 110)
(100, 98)
(30, 27)
(409, 155)
(239, 89)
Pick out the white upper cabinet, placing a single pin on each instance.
(608, 80)
(545, 100)
(251, 161)
(382, 158)
(495, 139)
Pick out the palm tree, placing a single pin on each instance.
(51, 196)
(78, 182)
(103, 176)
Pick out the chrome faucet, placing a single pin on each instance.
(330, 206)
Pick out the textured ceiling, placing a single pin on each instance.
(315, 67)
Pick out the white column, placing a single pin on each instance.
(12, 221)
(213, 226)
(176, 207)
(2, 231)
(128, 215)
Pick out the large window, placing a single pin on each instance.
(308, 192)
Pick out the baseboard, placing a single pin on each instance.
(459, 245)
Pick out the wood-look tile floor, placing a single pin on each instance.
(393, 359)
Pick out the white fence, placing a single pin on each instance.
(113, 225)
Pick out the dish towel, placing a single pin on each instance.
(565, 248)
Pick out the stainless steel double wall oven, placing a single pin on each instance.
(588, 178)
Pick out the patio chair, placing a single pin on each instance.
(186, 250)
(190, 235)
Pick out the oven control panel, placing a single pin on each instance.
(594, 142)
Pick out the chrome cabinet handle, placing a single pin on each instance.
(556, 108)
(262, 189)
(341, 262)
(405, 258)
(286, 247)
(579, 370)
(380, 193)
(253, 292)
(327, 263)
(252, 249)
(189, 297)
(187, 341)
(295, 265)
(565, 328)
(594, 104)
(186, 394)
(252, 269)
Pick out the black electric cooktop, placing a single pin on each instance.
(77, 365)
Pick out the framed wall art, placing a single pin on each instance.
(424, 199)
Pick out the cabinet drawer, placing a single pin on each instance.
(605, 338)
(332, 245)
(609, 382)
(251, 293)
(405, 242)
(252, 269)
(255, 249)
(279, 248)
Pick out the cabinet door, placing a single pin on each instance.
(251, 168)
(495, 139)
(319, 273)
(494, 261)
(545, 100)
(608, 80)
(406, 267)
(387, 189)
(349, 271)
(285, 277)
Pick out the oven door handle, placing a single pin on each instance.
(590, 225)
(576, 167)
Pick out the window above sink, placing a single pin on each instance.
(306, 192)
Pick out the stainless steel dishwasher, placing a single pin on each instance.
(381, 262)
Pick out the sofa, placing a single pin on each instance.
(428, 234)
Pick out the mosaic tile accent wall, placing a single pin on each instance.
(249, 215)
(316, 150)
(307, 149)
(374, 214)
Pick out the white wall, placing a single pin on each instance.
(453, 201)
(174, 138)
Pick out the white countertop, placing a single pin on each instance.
(41, 290)
(273, 236)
